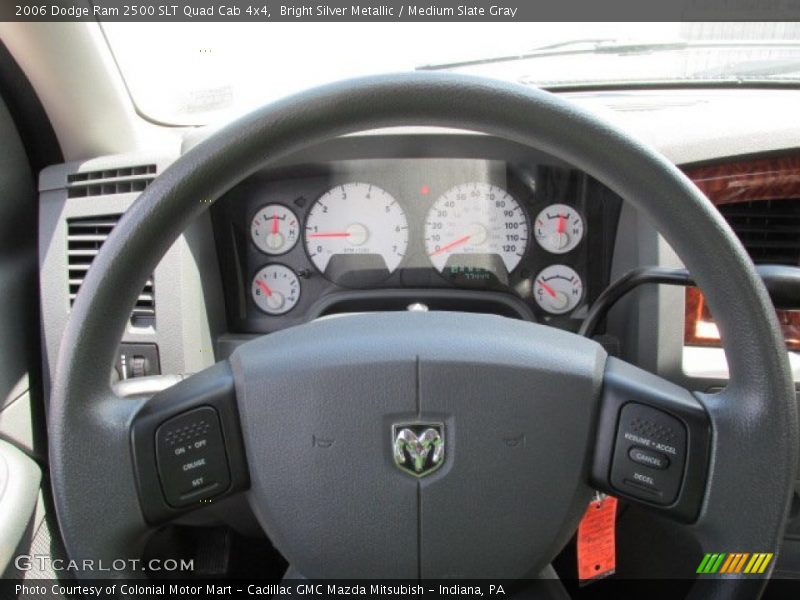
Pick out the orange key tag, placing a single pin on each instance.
(597, 554)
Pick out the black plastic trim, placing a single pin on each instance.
(782, 283)
(446, 300)
(624, 384)
(213, 387)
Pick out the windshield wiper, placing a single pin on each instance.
(572, 47)
(608, 46)
(771, 67)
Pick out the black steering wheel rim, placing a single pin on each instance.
(754, 420)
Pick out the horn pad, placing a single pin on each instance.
(489, 476)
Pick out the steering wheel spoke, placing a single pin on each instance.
(187, 445)
(653, 442)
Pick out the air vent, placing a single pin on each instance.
(85, 237)
(768, 229)
(110, 181)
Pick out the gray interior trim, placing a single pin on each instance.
(686, 126)
(189, 302)
(74, 74)
(650, 320)
(694, 125)
(17, 425)
(20, 477)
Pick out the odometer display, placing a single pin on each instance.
(476, 219)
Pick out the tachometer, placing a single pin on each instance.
(476, 219)
(356, 233)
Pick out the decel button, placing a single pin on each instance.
(656, 460)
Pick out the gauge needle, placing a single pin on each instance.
(562, 223)
(335, 234)
(274, 223)
(264, 287)
(548, 289)
(453, 244)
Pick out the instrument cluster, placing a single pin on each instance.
(290, 241)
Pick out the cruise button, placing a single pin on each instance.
(648, 458)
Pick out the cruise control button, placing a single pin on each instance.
(191, 457)
(649, 454)
(648, 458)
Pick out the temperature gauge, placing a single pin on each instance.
(274, 229)
(558, 228)
(558, 289)
(275, 289)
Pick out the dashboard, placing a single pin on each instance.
(516, 234)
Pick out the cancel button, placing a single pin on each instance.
(656, 460)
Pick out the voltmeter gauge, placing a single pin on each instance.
(558, 228)
(274, 229)
(275, 289)
(558, 289)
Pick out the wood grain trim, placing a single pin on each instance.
(746, 180)
(700, 330)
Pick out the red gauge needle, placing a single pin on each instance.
(548, 289)
(335, 234)
(562, 223)
(264, 287)
(453, 244)
(274, 223)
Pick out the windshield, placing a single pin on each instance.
(193, 74)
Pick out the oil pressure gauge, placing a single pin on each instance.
(274, 229)
(558, 228)
(558, 289)
(275, 289)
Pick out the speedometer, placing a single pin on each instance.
(476, 219)
(356, 233)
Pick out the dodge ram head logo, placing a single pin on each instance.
(418, 447)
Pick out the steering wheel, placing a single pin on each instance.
(424, 445)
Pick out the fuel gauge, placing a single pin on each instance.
(558, 289)
(275, 289)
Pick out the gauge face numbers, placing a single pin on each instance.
(476, 218)
(558, 289)
(274, 229)
(558, 228)
(357, 222)
(275, 289)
